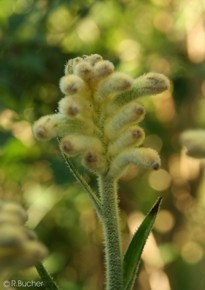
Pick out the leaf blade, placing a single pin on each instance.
(133, 254)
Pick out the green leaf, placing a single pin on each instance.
(133, 254)
(48, 281)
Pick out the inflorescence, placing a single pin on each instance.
(99, 116)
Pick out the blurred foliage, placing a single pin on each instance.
(167, 36)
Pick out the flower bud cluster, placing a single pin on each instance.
(19, 247)
(99, 116)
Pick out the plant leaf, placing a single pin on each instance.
(48, 281)
(133, 254)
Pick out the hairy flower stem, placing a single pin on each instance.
(110, 221)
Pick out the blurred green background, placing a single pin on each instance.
(167, 36)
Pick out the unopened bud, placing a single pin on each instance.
(146, 85)
(70, 65)
(133, 136)
(73, 85)
(117, 82)
(45, 128)
(84, 70)
(29, 254)
(133, 112)
(72, 106)
(142, 157)
(73, 145)
(93, 59)
(103, 68)
(15, 211)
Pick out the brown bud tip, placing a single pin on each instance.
(41, 133)
(93, 58)
(104, 68)
(90, 157)
(136, 133)
(139, 110)
(67, 147)
(84, 70)
(72, 111)
(156, 166)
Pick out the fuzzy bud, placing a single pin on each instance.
(70, 65)
(114, 84)
(13, 212)
(73, 85)
(84, 70)
(130, 113)
(73, 145)
(19, 247)
(93, 59)
(133, 136)
(142, 157)
(45, 128)
(146, 85)
(194, 141)
(68, 107)
(74, 105)
(103, 68)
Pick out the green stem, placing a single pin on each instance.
(48, 282)
(111, 228)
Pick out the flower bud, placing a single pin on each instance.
(73, 145)
(132, 136)
(142, 157)
(45, 128)
(103, 69)
(93, 59)
(114, 84)
(133, 112)
(73, 85)
(28, 255)
(146, 85)
(14, 211)
(72, 106)
(71, 64)
(84, 70)
(194, 141)
(19, 246)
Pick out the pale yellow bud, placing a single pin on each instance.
(93, 59)
(11, 235)
(194, 141)
(146, 85)
(117, 82)
(133, 136)
(142, 157)
(73, 145)
(73, 85)
(29, 254)
(68, 107)
(45, 128)
(73, 105)
(14, 211)
(133, 112)
(103, 68)
(18, 245)
(84, 70)
(71, 64)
